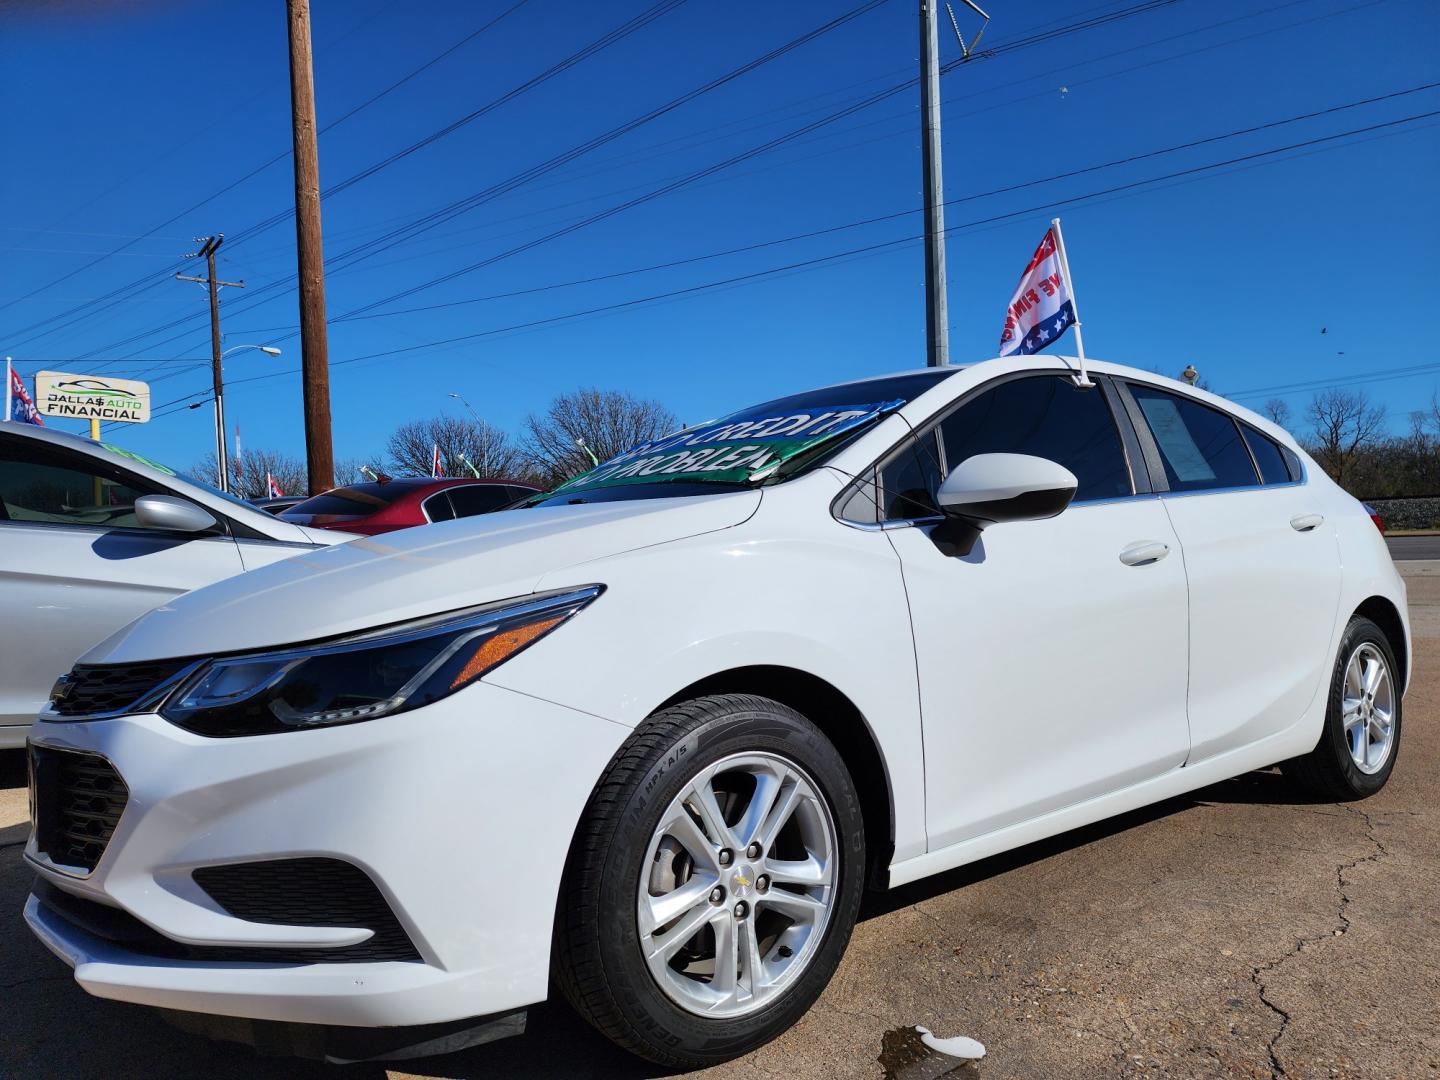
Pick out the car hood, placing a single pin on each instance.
(409, 574)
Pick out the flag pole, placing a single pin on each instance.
(1083, 379)
(8, 377)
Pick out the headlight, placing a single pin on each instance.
(365, 676)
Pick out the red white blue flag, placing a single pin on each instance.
(275, 492)
(435, 461)
(1042, 308)
(21, 408)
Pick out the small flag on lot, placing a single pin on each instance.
(18, 405)
(1043, 306)
(435, 461)
(272, 486)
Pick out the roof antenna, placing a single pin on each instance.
(967, 51)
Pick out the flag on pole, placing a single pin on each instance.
(435, 461)
(272, 486)
(1042, 308)
(18, 405)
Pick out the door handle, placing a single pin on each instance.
(1306, 522)
(1144, 551)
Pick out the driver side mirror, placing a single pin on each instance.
(990, 488)
(172, 514)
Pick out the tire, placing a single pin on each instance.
(1332, 770)
(623, 866)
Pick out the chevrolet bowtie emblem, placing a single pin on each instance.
(743, 882)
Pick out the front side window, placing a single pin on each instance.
(53, 486)
(910, 479)
(1201, 447)
(1046, 416)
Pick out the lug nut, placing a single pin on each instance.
(717, 894)
(726, 856)
(753, 851)
(742, 909)
(762, 882)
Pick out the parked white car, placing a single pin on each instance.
(653, 736)
(91, 537)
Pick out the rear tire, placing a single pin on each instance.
(1361, 739)
(657, 892)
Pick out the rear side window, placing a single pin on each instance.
(1200, 446)
(478, 499)
(438, 508)
(1273, 463)
(1050, 417)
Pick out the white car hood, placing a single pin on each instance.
(410, 574)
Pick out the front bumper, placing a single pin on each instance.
(462, 814)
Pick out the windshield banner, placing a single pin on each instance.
(734, 450)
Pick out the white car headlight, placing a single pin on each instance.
(364, 676)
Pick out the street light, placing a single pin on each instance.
(221, 459)
(484, 433)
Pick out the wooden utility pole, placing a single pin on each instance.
(937, 315)
(314, 350)
(209, 245)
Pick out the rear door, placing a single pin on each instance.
(1262, 563)
(75, 565)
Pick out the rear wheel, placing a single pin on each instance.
(714, 883)
(1357, 748)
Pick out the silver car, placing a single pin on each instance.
(92, 537)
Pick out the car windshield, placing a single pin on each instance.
(356, 500)
(769, 442)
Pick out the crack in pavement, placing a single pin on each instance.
(1277, 1069)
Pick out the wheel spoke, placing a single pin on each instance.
(727, 956)
(752, 967)
(681, 826)
(768, 787)
(1350, 710)
(658, 951)
(812, 871)
(798, 906)
(667, 908)
(1371, 677)
(785, 807)
(702, 797)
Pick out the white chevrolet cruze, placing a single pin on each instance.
(652, 737)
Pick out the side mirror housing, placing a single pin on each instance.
(172, 514)
(990, 488)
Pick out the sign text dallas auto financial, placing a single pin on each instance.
(90, 397)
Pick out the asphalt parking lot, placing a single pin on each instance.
(1242, 931)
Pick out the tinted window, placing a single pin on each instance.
(909, 480)
(477, 499)
(54, 486)
(1201, 446)
(1050, 417)
(360, 499)
(438, 507)
(1273, 466)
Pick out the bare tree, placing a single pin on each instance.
(490, 451)
(1344, 424)
(248, 473)
(1278, 411)
(608, 421)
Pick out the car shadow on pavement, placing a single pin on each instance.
(50, 1027)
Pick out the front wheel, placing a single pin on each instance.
(1361, 738)
(714, 883)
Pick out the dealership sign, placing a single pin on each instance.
(92, 397)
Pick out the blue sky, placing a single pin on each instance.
(121, 114)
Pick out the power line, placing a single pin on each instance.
(854, 252)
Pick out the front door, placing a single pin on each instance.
(1052, 657)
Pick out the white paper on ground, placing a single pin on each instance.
(960, 1046)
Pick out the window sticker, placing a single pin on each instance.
(1176, 442)
(736, 449)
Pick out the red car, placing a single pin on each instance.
(387, 505)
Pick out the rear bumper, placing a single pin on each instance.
(461, 813)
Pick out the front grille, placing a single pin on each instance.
(78, 800)
(311, 892)
(91, 689)
(124, 930)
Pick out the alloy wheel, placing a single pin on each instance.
(1368, 708)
